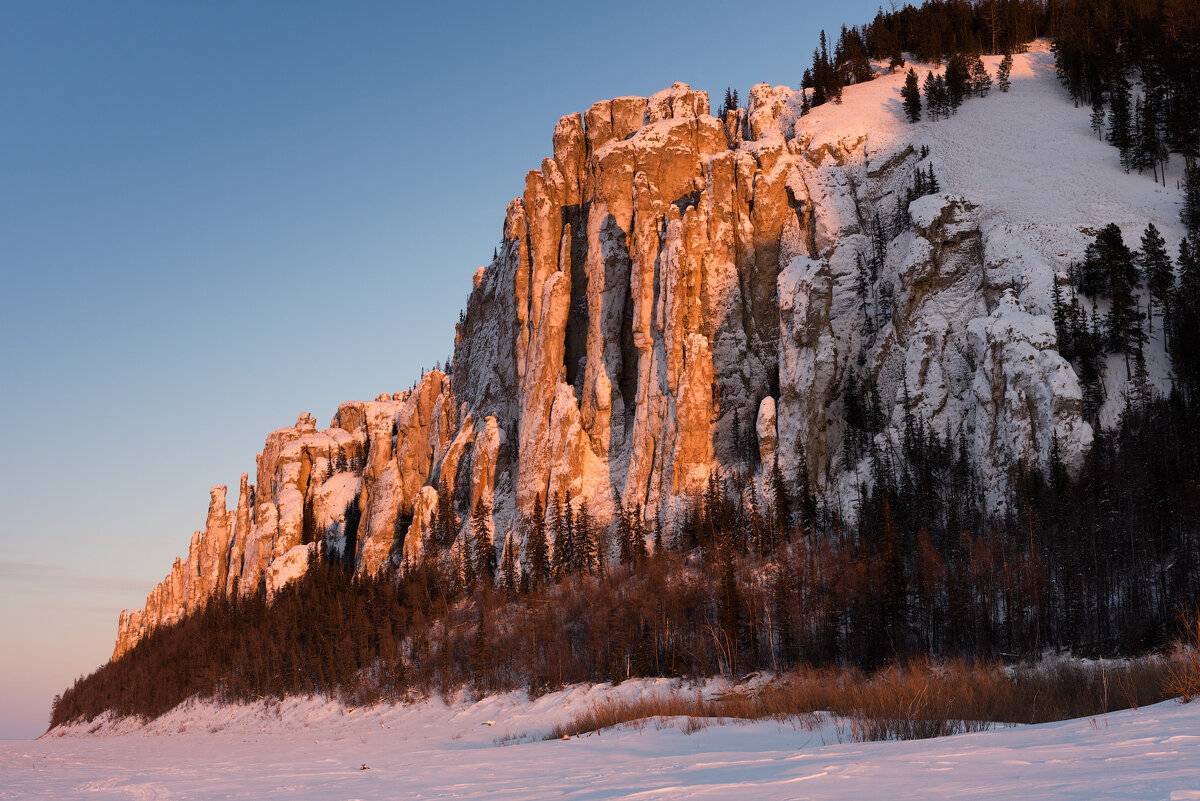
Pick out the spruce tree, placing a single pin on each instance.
(931, 96)
(536, 551)
(624, 537)
(1149, 151)
(958, 80)
(1190, 213)
(981, 80)
(564, 552)
(781, 500)
(1155, 266)
(1185, 320)
(945, 106)
(1004, 73)
(637, 534)
(1098, 114)
(912, 97)
(1120, 129)
(1140, 392)
(1109, 258)
(584, 541)
(508, 563)
(483, 552)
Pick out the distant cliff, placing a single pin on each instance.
(678, 296)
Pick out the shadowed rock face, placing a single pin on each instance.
(674, 296)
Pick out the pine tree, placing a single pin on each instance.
(945, 106)
(1140, 392)
(1185, 320)
(563, 529)
(912, 97)
(1120, 129)
(624, 537)
(981, 81)
(508, 563)
(1149, 150)
(781, 501)
(731, 101)
(1004, 73)
(931, 104)
(637, 534)
(806, 503)
(958, 80)
(1098, 114)
(483, 551)
(536, 552)
(1156, 268)
(1110, 270)
(1190, 214)
(586, 552)
(818, 77)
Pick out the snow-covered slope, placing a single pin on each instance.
(676, 296)
(308, 749)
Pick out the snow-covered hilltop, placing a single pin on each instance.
(678, 296)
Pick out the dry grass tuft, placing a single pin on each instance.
(918, 699)
(1184, 677)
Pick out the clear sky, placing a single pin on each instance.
(216, 215)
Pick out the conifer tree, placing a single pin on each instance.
(586, 552)
(1185, 320)
(1155, 266)
(508, 563)
(562, 526)
(468, 564)
(624, 537)
(1120, 129)
(912, 96)
(731, 101)
(1190, 214)
(483, 551)
(818, 77)
(945, 106)
(862, 285)
(536, 552)
(1098, 114)
(958, 80)
(1140, 392)
(981, 80)
(1004, 73)
(1110, 271)
(932, 104)
(637, 534)
(781, 501)
(1149, 150)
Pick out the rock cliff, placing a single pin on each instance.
(675, 296)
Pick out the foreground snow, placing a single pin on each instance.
(311, 749)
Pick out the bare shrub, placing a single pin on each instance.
(914, 700)
(1184, 676)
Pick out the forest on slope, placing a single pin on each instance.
(1105, 561)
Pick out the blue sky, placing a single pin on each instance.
(216, 215)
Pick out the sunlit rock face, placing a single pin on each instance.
(674, 296)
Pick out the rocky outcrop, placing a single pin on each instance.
(674, 297)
